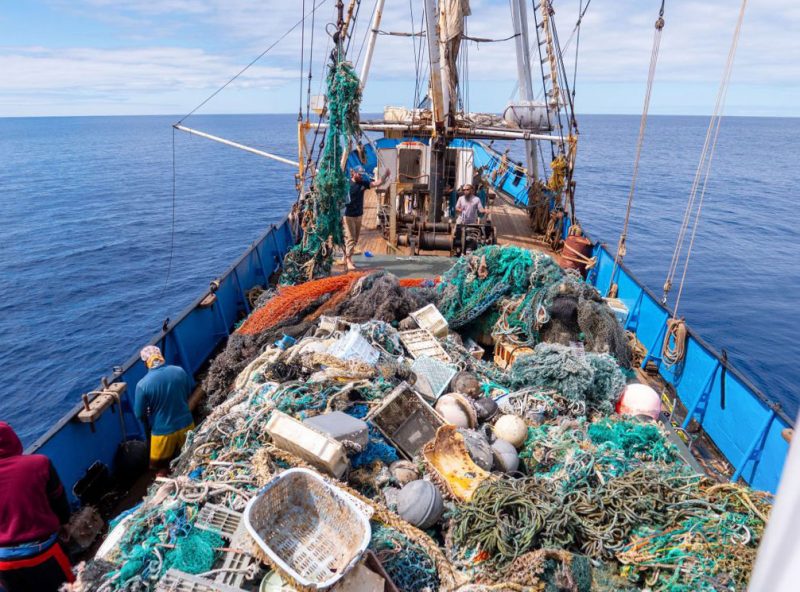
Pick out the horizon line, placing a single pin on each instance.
(294, 113)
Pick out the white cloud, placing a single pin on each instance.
(222, 35)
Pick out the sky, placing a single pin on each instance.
(142, 57)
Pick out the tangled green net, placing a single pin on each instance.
(321, 212)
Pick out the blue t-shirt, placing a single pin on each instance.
(162, 397)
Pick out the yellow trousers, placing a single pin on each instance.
(166, 447)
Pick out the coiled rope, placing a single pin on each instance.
(674, 349)
(621, 250)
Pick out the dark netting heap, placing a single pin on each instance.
(553, 491)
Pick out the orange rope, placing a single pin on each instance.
(416, 282)
(290, 300)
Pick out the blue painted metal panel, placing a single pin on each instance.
(747, 428)
(188, 341)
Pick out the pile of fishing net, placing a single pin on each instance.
(595, 501)
(524, 298)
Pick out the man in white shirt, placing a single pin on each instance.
(468, 206)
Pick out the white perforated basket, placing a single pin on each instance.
(309, 528)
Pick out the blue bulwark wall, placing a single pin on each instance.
(188, 342)
(746, 426)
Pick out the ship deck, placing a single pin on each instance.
(511, 221)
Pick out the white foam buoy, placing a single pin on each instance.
(639, 399)
(511, 429)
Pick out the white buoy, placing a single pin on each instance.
(511, 429)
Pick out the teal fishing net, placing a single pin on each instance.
(593, 378)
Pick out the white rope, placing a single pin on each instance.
(621, 251)
(703, 171)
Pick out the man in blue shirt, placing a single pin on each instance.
(354, 210)
(162, 404)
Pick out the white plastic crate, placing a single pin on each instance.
(428, 317)
(421, 342)
(313, 447)
(309, 528)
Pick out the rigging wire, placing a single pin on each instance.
(310, 64)
(703, 169)
(249, 65)
(621, 250)
(172, 231)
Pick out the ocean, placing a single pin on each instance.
(86, 216)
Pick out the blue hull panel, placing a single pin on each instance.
(747, 430)
(189, 341)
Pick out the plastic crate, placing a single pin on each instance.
(506, 353)
(421, 342)
(406, 420)
(353, 346)
(428, 317)
(433, 376)
(178, 581)
(312, 446)
(309, 528)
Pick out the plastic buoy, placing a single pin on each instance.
(367, 253)
(485, 408)
(404, 471)
(467, 383)
(505, 456)
(420, 503)
(478, 448)
(511, 429)
(456, 410)
(639, 399)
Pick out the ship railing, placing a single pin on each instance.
(84, 453)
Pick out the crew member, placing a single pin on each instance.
(162, 404)
(468, 206)
(33, 506)
(354, 211)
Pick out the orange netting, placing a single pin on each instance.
(290, 300)
(416, 282)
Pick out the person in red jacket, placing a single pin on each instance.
(33, 506)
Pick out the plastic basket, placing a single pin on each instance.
(309, 528)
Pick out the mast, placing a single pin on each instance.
(519, 17)
(438, 98)
(373, 36)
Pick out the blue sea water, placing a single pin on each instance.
(86, 222)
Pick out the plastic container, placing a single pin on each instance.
(506, 353)
(353, 346)
(619, 308)
(428, 317)
(341, 427)
(313, 447)
(307, 527)
(433, 376)
(421, 342)
(406, 420)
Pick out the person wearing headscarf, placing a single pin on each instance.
(33, 506)
(162, 404)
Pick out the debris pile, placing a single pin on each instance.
(471, 474)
